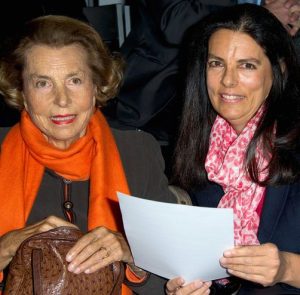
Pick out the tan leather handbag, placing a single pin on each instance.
(39, 267)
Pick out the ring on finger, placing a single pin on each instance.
(106, 250)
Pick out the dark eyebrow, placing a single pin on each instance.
(214, 56)
(244, 60)
(254, 60)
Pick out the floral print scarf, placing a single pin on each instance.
(225, 165)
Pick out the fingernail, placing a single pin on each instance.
(87, 271)
(71, 267)
(198, 284)
(208, 283)
(77, 270)
(69, 257)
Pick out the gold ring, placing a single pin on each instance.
(107, 252)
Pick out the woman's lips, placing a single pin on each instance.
(231, 98)
(63, 119)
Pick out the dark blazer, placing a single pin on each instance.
(280, 224)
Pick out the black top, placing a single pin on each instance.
(50, 199)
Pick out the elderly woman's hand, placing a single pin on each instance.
(10, 242)
(96, 249)
(263, 264)
(176, 287)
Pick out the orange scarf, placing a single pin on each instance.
(24, 155)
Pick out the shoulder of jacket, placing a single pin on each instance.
(134, 138)
(3, 133)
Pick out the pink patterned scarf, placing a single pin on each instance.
(225, 165)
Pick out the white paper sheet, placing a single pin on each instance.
(173, 240)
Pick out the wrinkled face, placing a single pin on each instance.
(239, 76)
(58, 92)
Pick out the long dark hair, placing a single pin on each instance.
(282, 104)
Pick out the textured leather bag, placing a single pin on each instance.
(39, 267)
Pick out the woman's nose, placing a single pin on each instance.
(62, 97)
(230, 77)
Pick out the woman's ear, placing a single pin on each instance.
(25, 102)
(95, 95)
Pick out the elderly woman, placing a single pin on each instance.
(58, 74)
(238, 146)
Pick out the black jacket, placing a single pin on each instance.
(279, 224)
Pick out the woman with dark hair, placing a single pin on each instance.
(238, 145)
